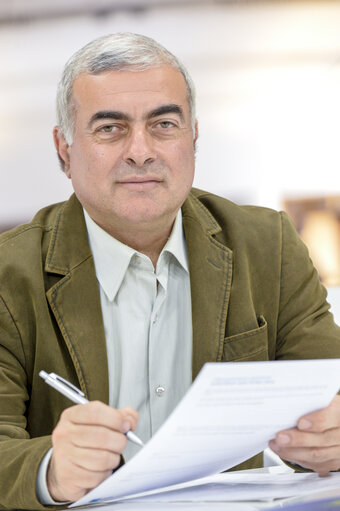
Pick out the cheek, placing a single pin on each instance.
(88, 162)
(103, 159)
(184, 163)
(181, 150)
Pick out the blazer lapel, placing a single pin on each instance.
(75, 302)
(210, 266)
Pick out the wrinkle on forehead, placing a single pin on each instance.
(126, 90)
(130, 81)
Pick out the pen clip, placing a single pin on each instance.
(67, 383)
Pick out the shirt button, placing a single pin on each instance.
(160, 391)
(155, 319)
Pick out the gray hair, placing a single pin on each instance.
(114, 52)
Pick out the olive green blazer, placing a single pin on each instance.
(255, 296)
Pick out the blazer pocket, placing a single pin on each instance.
(251, 345)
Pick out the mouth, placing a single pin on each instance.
(139, 183)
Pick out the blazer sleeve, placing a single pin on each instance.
(305, 327)
(19, 454)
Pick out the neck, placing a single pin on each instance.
(150, 244)
(149, 239)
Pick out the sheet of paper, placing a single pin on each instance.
(242, 486)
(229, 414)
(181, 506)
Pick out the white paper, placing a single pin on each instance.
(243, 486)
(132, 505)
(229, 414)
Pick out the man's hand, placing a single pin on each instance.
(315, 442)
(87, 443)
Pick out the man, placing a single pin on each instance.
(128, 288)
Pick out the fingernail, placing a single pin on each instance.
(304, 424)
(283, 439)
(125, 426)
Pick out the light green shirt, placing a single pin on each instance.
(148, 326)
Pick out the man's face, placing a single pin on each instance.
(132, 158)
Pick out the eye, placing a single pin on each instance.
(110, 131)
(165, 129)
(166, 124)
(107, 129)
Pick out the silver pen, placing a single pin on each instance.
(77, 396)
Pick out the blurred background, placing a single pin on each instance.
(267, 75)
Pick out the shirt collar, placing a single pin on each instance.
(176, 243)
(112, 258)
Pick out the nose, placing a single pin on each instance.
(139, 147)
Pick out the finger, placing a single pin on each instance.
(322, 420)
(295, 438)
(70, 481)
(95, 437)
(95, 413)
(319, 461)
(131, 416)
(310, 455)
(322, 468)
(94, 460)
(85, 479)
(128, 410)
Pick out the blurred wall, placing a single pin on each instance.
(268, 82)
(268, 93)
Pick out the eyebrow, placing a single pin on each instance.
(167, 109)
(120, 116)
(108, 114)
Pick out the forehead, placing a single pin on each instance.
(130, 90)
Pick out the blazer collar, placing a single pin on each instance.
(74, 299)
(69, 245)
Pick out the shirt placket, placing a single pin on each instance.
(157, 381)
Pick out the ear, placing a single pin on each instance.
(196, 132)
(63, 149)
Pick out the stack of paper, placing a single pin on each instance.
(228, 415)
